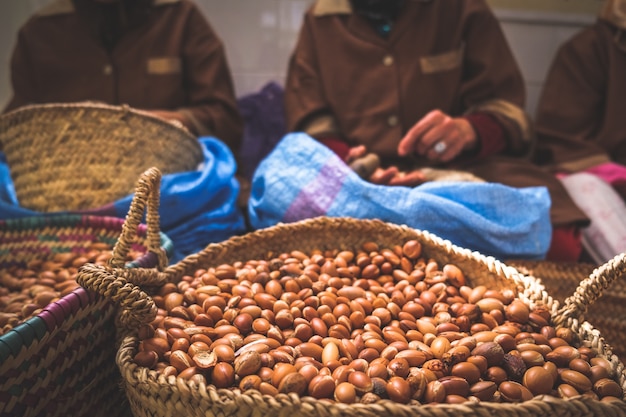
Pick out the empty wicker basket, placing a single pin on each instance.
(77, 156)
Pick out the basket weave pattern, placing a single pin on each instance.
(62, 361)
(78, 156)
(152, 394)
(608, 314)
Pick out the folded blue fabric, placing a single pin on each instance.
(302, 178)
(195, 208)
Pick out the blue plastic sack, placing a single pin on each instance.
(196, 207)
(302, 178)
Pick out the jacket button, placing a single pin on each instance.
(392, 121)
(107, 70)
(388, 60)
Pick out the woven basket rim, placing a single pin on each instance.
(57, 312)
(18, 114)
(151, 380)
(83, 155)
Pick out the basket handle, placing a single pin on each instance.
(146, 198)
(120, 284)
(115, 284)
(591, 288)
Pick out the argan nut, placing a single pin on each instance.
(205, 359)
(576, 379)
(412, 249)
(514, 392)
(281, 370)
(517, 312)
(606, 387)
(563, 355)
(250, 382)
(293, 382)
(247, 363)
(322, 386)
(483, 390)
(399, 390)
(435, 392)
(147, 359)
(466, 370)
(491, 351)
(455, 385)
(345, 393)
(223, 375)
(567, 391)
(538, 380)
(361, 382)
(181, 360)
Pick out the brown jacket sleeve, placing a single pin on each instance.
(23, 82)
(306, 107)
(210, 87)
(572, 104)
(492, 82)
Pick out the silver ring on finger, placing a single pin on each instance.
(440, 147)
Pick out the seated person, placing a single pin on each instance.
(580, 120)
(160, 56)
(414, 83)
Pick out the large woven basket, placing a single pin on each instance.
(62, 361)
(79, 156)
(152, 394)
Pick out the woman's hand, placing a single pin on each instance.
(438, 137)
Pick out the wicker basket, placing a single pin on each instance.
(79, 156)
(62, 361)
(152, 394)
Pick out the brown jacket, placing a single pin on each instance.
(174, 61)
(580, 118)
(451, 55)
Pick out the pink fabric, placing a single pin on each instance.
(612, 173)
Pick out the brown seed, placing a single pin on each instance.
(484, 390)
(181, 360)
(606, 387)
(435, 392)
(412, 249)
(466, 370)
(538, 380)
(223, 375)
(247, 363)
(293, 382)
(576, 379)
(398, 390)
(455, 385)
(322, 386)
(146, 359)
(345, 393)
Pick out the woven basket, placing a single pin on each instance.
(152, 394)
(78, 156)
(62, 361)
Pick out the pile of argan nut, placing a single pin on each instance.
(363, 326)
(26, 289)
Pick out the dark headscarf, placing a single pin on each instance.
(380, 13)
(111, 20)
(381, 10)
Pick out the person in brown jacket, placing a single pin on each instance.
(421, 84)
(160, 56)
(580, 123)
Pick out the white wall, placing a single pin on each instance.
(259, 36)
